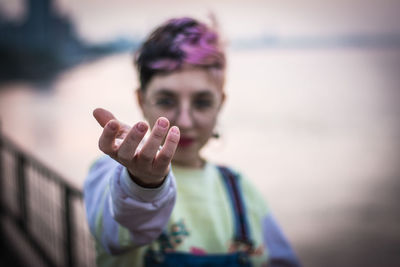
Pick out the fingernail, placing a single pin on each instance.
(162, 122)
(141, 127)
(112, 125)
(174, 130)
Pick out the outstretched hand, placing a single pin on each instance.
(148, 166)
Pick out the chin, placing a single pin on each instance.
(182, 155)
(185, 154)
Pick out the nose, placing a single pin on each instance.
(184, 117)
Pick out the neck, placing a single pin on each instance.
(195, 163)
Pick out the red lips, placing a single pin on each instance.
(185, 141)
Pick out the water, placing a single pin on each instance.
(317, 131)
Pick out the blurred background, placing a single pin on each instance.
(312, 116)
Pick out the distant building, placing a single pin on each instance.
(43, 29)
(45, 43)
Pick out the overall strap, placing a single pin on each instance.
(242, 230)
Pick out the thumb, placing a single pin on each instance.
(103, 116)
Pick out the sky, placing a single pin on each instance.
(101, 20)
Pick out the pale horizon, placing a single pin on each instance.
(98, 21)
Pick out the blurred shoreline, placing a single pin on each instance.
(311, 119)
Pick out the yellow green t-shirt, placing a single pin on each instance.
(202, 220)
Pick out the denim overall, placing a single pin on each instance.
(241, 237)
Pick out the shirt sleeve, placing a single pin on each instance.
(122, 214)
(279, 250)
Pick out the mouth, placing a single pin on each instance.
(185, 141)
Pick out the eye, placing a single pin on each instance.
(202, 103)
(165, 102)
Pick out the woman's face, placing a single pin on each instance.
(190, 99)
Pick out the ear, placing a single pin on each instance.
(140, 97)
(223, 97)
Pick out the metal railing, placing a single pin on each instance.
(46, 210)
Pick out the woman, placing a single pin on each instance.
(155, 201)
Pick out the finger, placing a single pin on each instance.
(103, 116)
(107, 138)
(128, 147)
(167, 152)
(150, 148)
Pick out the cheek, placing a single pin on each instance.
(206, 122)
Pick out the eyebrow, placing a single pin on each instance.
(204, 94)
(164, 92)
(167, 92)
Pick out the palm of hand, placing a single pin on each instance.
(147, 166)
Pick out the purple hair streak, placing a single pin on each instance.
(179, 43)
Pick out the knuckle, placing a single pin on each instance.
(173, 140)
(108, 133)
(158, 134)
(145, 157)
(102, 147)
(164, 158)
(134, 135)
(131, 138)
(123, 156)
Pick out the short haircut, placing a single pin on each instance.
(180, 42)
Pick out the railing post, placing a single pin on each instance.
(2, 175)
(68, 227)
(20, 171)
(2, 183)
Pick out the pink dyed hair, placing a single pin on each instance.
(178, 43)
